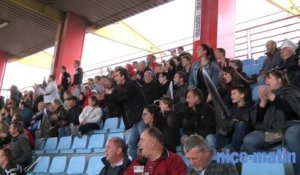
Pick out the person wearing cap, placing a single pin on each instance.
(289, 63)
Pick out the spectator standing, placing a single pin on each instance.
(77, 78)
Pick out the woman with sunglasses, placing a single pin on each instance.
(278, 113)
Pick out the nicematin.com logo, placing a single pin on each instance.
(280, 156)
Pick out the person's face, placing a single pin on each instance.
(41, 106)
(111, 151)
(270, 46)
(163, 106)
(218, 54)
(236, 96)
(192, 100)
(272, 82)
(12, 130)
(285, 53)
(176, 80)
(173, 53)
(146, 144)
(200, 51)
(62, 70)
(107, 83)
(91, 102)
(118, 78)
(198, 159)
(227, 77)
(185, 62)
(180, 51)
(147, 77)
(176, 62)
(147, 116)
(86, 90)
(161, 79)
(75, 65)
(49, 79)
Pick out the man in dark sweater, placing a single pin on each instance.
(77, 78)
(116, 160)
(20, 146)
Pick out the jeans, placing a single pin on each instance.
(78, 90)
(64, 131)
(241, 128)
(254, 142)
(133, 141)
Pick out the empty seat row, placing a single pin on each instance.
(85, 144)
(60, 164)
(114, 124)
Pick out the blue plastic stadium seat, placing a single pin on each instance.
(63, 144)
(50, 145)
(58, 165)
(94, 166)
(261, 59)
(42, 165)
(185, 160)
(248, 62)
(78, 143)
(76, 165)
(110, 124)
(127, 135)
(250, 168)
(96, 144)
(122, 124)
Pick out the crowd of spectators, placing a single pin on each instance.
(164, 104)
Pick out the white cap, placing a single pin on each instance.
(290, 44)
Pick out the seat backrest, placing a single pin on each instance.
(42, 165)
(96, 141)
(51, 143)
(39, 144)
(111, 123)
(253, 166)
(58, 164)
(95, 165)
(80, 142)
(76, 165)
(65, 142)
(255, 93)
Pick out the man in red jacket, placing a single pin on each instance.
(155, 158)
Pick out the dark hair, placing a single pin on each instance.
(155, 133)
(77, 62)
(210, 54)
(280, 74)
(19, 125)
(120, 143)
(94, 99)
(182, 75)
(123, 72)
(222, 50)
(52, 76)
(198, 93)
(158, 120)
(168, 101)
(64, 68)
(241, 89)
(7, 153)
(180, 48)
(236, 79)
(187, 57)
(18, 116)
(177, 58)
(98, 77)
(239, 65)
(164, 74)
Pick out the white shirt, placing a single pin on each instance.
(50, 92)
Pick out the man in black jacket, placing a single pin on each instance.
(77, 78)
(20, 146)
(116, 160)
(151, 87)
(133, 100)
(199, 118)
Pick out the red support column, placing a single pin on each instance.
(69, 45)
(214, 24)
(3, 62)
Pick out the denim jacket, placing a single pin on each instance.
(212, 69)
